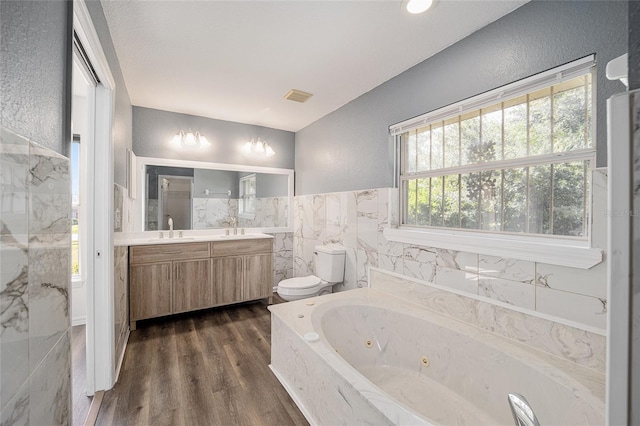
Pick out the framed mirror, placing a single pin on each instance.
(201, 195)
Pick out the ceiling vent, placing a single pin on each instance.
(298, 96)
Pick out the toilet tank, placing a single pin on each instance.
(330, 263)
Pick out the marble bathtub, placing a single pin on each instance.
(377, 359)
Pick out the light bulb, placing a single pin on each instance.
(259, 146)
(248, 146)
(176, 141)
(202, 140)
(190, 139)
(418, 6)
(268, 150)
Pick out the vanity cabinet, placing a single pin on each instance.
(172, 278)
(149, 291)
(242, 270)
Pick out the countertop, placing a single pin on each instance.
(152, 238)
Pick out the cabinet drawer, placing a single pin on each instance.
(239, 247)
(168, 252)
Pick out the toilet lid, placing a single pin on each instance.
(300, 282)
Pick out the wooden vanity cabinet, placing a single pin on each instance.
(149, 291)
(171, 278)
(243, 269)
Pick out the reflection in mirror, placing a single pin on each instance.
(211, 198)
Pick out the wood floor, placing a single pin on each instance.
(81, 402)
(204, 368)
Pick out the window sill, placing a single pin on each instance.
(77, 281)
(571, 253)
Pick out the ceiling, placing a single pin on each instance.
(235, 60)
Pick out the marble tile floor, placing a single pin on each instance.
(203, 368)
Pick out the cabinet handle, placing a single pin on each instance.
(172, 252)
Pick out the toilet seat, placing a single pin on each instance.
(300, 283)
(302, 287)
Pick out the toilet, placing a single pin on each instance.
(329, 269)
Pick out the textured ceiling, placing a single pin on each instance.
(235, 60)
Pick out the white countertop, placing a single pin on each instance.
(153, 237)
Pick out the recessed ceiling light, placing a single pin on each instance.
(298, 96)
(418, 6)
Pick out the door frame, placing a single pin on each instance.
(99, 223)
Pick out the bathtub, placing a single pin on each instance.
(364, 357)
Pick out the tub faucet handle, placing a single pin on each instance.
(523, 414)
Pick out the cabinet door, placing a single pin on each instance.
(227, 280)
(191, 285)
(258, 276)
(150, 290)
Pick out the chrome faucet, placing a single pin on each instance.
(523, 414)
(170, 221)
(234, 224)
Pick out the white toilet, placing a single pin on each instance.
(330, 271)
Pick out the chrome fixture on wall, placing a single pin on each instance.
(189, 139)
(259, 147)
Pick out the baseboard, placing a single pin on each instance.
(94, 409)
(124, 349)
(78, 320)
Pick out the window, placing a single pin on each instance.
(516, 160)
(247, 204)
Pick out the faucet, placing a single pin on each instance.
(523, 414)
(234, 223)
(170, 221)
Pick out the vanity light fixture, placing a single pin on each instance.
(259, 147)
(418, 6)
(189, 139)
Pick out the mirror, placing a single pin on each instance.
(199, 195)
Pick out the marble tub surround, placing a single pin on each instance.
(357, 220)
(339, 378)
(35, 280)
(579, 344)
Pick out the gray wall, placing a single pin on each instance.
(123, 119)
(350, 148)
(634, 45)
(33, 71)
(153, 130)
(270, 185)
(216, 181)
(634, 84)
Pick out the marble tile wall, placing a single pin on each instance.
(356, 220)
(216, 213)
(282, 256)
(35, 274)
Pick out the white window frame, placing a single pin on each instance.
(556, 250)
(242, 207)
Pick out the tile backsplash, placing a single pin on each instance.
(356, 220)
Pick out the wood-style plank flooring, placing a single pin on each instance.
(203, 368)
(80, 401)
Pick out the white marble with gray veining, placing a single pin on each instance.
(357, 219)
(35, 240)
(14, 272)
(469, 373)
